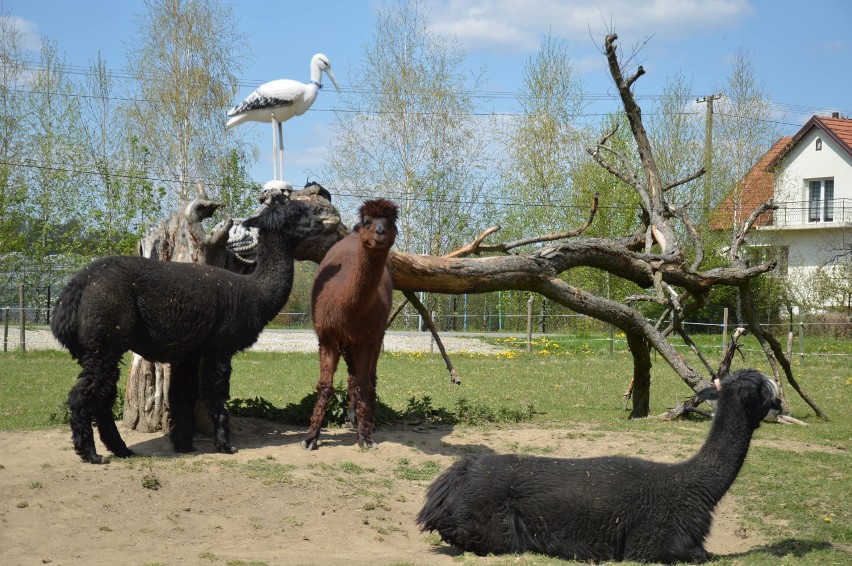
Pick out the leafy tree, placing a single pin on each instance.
(183, 61)
(12, 137)
(122, 199)
(409, 133)
(744, 130)
(235, 190)
(55, 197)
(543, 143)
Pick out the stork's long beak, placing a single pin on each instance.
(333, 80)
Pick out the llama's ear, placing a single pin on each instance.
(708, 394)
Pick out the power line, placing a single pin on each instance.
(475, 94)
(332, 190)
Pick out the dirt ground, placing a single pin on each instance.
(273, 502)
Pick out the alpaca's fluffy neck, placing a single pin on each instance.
(273, 276)
(717, 464)
(365, 276)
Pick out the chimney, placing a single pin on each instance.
(835, 114)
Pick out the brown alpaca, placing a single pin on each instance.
(350, 304)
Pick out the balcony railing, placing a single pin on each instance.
(826, 213)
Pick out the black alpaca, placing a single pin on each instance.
(597, 509)
(194, 316)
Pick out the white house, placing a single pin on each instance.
(809, 175)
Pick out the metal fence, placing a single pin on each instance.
(833, 211)
(28, 328)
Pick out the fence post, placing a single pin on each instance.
(724, 329)
(801, 338)
(611, 340)
(6, 329)
(23, 318)
(529, 324)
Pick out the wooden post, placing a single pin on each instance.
(6, 329)
(611, 339)
(23, 318)
(724, 329)
(529, 324)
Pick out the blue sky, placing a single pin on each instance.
(801, 50)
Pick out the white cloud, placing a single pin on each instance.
(30, 39)
(517, 25)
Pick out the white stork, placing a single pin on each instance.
(278, 101)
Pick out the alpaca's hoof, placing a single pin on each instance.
(184, 448)
(226, 449)
(94, 458)
(367, 444)
(126, 453)
(310, 444)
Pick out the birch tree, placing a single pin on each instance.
(183, 62)
(408, 132)
(12, 134)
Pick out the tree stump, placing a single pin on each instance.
(181, 237)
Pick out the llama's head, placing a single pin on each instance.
(288, 212)
(756, 393)
(377, 224)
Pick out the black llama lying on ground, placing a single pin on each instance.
(608, 508)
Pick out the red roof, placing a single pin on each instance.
(757, 187)
(837, 129)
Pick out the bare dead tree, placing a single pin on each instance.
(652, 258)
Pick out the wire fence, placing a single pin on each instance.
(28, 329)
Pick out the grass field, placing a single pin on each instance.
(796, 487)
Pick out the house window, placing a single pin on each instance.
(818, 144)
(821, 200)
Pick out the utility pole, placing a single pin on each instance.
(708, 147)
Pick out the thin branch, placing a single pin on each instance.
(412, 298)
(473, 247)
(737, 240)
(611, 168)
(728, 356)
(639, 72)
(685, 180)
(693, 234)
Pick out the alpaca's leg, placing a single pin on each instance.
(366, 394)
(351, 420)
(103, 414)
(84, 403)
(183, 393)
(215, 388)
(329, 356)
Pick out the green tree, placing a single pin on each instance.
(122, 199)
(234, 190)
(13, 64)
(744, 130)
(183, 61)
(409, 132)
(53, 219)
(544, 143)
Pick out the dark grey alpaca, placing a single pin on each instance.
(597, 509)
(194, 316)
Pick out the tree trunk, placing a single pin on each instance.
(179, 238)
